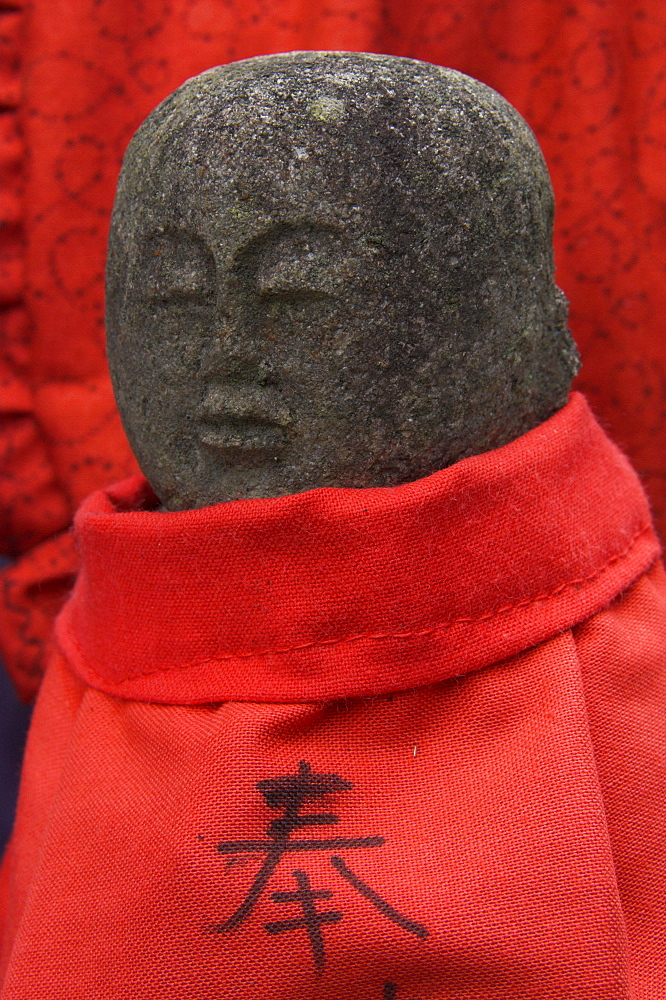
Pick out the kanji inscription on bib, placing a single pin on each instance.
(289, 795)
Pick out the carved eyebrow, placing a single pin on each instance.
(258, 245)
(294, 261)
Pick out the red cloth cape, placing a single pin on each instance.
(397, 743)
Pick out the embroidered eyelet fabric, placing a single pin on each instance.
(388, 744)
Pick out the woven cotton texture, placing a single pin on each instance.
(392, 744)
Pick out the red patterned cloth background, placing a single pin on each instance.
(78, 77)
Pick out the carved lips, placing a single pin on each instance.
(243, 418)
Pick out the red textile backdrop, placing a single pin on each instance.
(80, 75)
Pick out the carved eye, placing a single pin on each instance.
(296, 263)
(175, 266)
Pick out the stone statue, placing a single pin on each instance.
(346, 743)
(330, 269)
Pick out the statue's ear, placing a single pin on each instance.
(561, 311)
(116, 280)
(563, 338)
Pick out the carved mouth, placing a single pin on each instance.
(246, 436)
(243, 418)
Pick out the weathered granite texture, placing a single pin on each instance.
(330, 269)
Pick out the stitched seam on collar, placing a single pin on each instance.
(431, 630)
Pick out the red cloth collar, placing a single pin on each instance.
(339, 592)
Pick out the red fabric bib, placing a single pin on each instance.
(385, 744)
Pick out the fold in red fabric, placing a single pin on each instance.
(338, 593)
(385, 744)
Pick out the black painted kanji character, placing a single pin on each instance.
(311, 920)
(289, 794)
(390, 991)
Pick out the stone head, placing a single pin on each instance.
(330, 269)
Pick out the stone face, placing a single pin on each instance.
(330, 269)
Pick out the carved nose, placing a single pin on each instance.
(234, 356)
